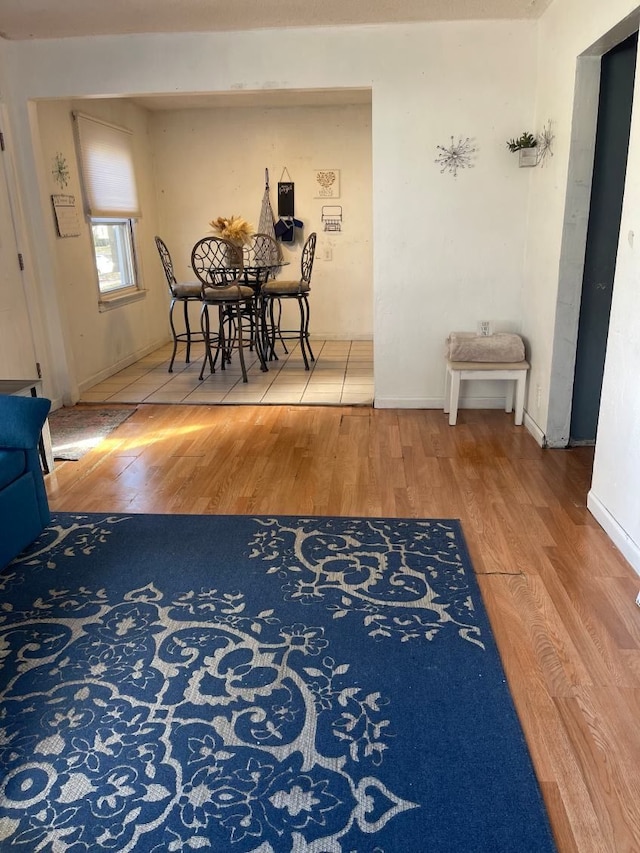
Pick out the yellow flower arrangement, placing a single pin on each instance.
(235, 229)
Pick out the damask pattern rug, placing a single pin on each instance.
(264, 684)
(75, 430)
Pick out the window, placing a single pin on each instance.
(111, 202)
(113, 249)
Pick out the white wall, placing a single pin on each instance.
(446, 252)
(211, 162)
(100, 341)
(557, 225)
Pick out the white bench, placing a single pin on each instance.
(514, 372)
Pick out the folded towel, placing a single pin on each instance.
(500, 347)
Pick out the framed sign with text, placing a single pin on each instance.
(66, 213)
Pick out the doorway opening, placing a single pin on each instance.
(605, 210)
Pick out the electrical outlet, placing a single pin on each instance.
(327, 253)
(638, 599)
(484, 328)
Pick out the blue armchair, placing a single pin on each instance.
(24, 509)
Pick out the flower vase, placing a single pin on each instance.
(233, 253)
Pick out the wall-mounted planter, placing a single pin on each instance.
(527, 157)
(525, 145)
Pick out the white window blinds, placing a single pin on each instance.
(106, 163)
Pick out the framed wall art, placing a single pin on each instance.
(327, 183)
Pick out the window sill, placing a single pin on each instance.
(109, 301)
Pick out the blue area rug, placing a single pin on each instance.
(269, 684)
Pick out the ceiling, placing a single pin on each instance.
(39, 19)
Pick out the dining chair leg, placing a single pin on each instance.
(219, 344)
(232, 333)
(265, 336)
(274, 328)
(277, 326)
(301, 335)
(224, 342)
(241, 343)
(273, 356)
(249, 313)
(306, 328)
(187, 326)
(173, 334)
(255, 309)
(205, 326)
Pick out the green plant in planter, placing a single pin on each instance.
(526, 140)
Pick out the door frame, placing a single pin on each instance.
(574, 231)
(17, 216)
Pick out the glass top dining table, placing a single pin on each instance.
(256, 274)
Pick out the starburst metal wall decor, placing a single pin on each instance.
(545, 143)
(60, 170)
(458, 155)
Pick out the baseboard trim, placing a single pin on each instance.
(437, 403)
(407, 403)
(318, 336)
(620, 538)
(120, 365)
(533, 429)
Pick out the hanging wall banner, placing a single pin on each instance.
(285, 198)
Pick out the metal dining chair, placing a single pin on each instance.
(262, 259)
(218, 265)
(261, 252)
(277, 289)
(183, 292)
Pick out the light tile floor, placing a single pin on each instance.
(342, 374)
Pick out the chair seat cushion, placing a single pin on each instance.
(278, 287)
(229, 293)
(13, 464)
(187, 290)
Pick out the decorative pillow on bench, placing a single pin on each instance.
(499, 347)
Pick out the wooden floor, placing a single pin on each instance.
(560, 597)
